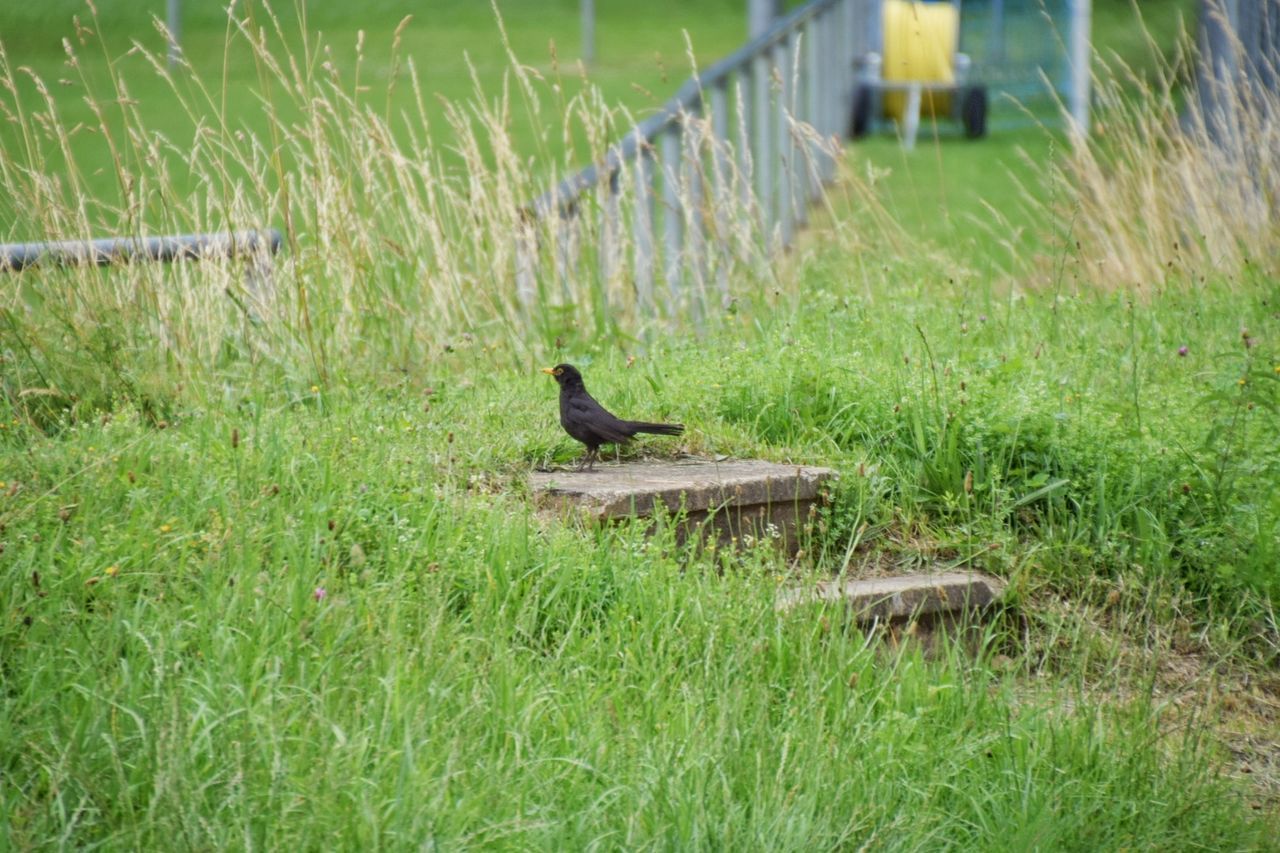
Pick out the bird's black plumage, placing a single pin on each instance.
(589, 422)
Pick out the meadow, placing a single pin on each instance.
(271, 578)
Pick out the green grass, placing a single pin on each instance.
(972, 199)
(476, 674)
(1142, 34)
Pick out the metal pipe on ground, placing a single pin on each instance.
(117, 250)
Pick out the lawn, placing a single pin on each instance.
(253, 599)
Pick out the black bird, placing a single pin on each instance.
(589, 422)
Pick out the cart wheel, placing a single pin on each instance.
(860, 119)
(973, 112)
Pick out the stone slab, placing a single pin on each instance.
(902, 597)
(637, 488)
(739, 496)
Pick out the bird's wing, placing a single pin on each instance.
(585, 410)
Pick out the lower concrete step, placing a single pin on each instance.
(737, 498)
(946, 596)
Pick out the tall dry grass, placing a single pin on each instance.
(401, 237)
(1173, 189)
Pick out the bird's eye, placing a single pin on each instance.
(559, 370)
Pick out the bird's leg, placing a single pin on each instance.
(588, 460)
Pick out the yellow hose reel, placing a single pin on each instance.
(920, 42)
(920, 74)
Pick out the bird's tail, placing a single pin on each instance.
(656, 429)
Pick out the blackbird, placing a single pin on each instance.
(589, 422)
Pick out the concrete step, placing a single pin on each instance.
(945, 596)
(743, 497)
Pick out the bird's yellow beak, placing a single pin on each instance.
(550, 371)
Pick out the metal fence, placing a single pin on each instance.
(743, 147)
(1239, 44)
(1016, 47)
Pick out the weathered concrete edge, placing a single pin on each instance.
(804, 483)
(901, 597)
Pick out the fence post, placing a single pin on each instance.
(526, 259)
(760, 15)
(844, 67)
(610, 250)
(1081, 77)
(642, 225)
(995, 38)
(173, 18)
(813, 107)
(746, 160)
(831, 81)
(720, 183)
(568, 227)
(799, 176)
(672, 213)
(588, 13)
(782, 125)
(719, 139)
(761, 152)
(695, 237)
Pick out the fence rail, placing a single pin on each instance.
(752, 134)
